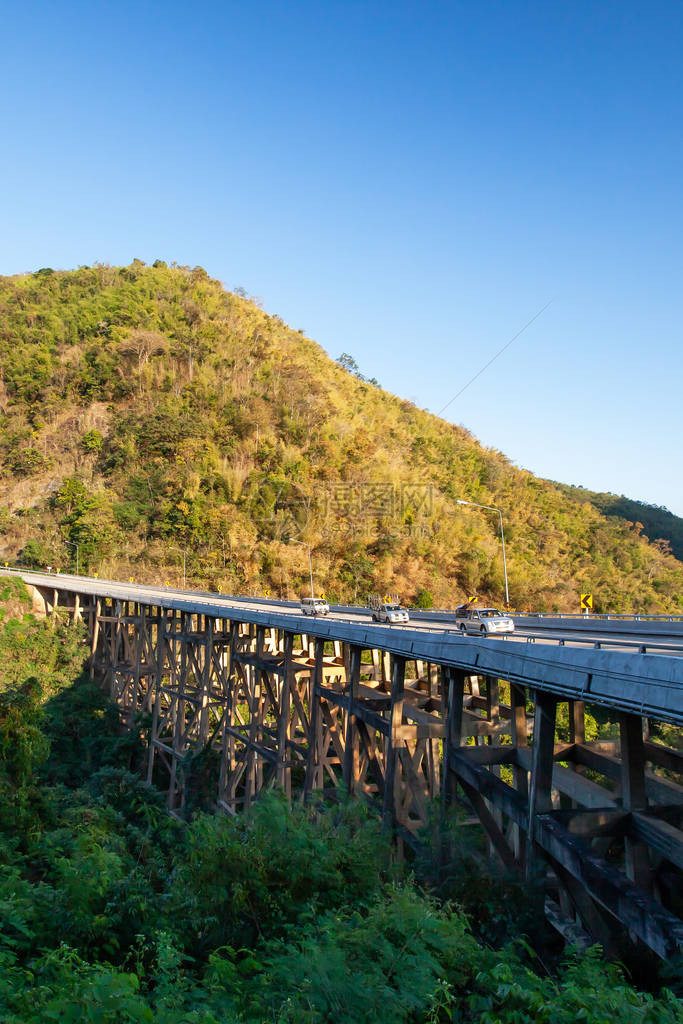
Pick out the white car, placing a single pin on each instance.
(485, 621)
(314, 606)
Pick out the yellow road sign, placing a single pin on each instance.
(586, 602)
(470, 600)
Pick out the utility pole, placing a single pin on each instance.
(183, 551)
(73, 544)
(310, 563)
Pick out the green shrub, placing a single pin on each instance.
(424, 599)
(92, 442)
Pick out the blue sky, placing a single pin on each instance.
(408, 182)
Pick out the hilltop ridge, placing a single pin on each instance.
(145, 409)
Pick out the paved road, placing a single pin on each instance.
(616, 676)
(634, 636)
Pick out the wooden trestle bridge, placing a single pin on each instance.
(414, 719)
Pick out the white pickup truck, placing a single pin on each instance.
(485, 621)
(387, 611)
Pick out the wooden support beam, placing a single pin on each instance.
(454, 683)
(489, 786)
(139, 630)
(660, 836)
(391, 787)
(540, 794)
(374, 764)
(605, 821)
(577, 721)
(351, 748)
(492, 700)
(314, 763)
(360, 711)
(633, 795)
(600, 925)
(95, 636)
(643, 916)
(583, 791)
(492, 828)
(207, 660)
(520, 738)
(662, 931)
(632, 762)
(601, 756)
(254, 701)
(664, 757)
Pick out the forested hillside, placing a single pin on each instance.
(147, 410)
(655, 521)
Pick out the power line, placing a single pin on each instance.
(492, 360)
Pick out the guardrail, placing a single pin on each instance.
(582, 616)
(425, 614)
(589, 616)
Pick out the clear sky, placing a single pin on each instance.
(410, 182)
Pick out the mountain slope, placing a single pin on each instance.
(655, 521)
(146, 409)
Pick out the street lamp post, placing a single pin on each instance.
(183, 552)
(73, 544)
(490, 508)
(310, 563)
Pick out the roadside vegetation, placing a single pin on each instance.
(146, 411)
(112, 911)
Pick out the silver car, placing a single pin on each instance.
(485, 621)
